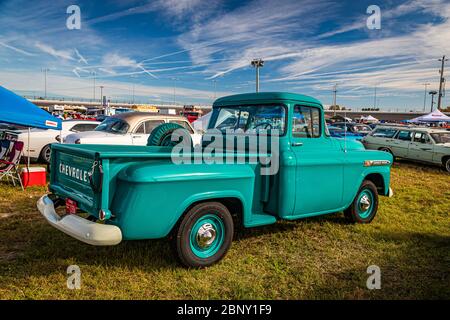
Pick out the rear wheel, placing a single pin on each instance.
(45, 154)
(365, 205)
(446, 163)
(204, 235)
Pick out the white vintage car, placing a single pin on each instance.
(130, 128)
(41, 139)
(413, 143)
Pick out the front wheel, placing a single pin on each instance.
(365, 205)
(204, 235)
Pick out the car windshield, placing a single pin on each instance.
(442, 137)
(113, 125)
(249, 118)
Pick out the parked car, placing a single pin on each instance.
(140, 193)
(355, 128)
(130, 128)
(41, 139)
(340, 133)
(414, 143)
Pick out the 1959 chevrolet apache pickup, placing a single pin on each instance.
(138, 192)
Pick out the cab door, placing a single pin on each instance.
(319, 163)
(400, 144)
(421, 147)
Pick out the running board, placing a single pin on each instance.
(260, 220)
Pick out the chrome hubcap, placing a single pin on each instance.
(206, 235)
(364, 203)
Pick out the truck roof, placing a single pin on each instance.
(264, 96)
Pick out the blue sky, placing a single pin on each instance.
(154, 46)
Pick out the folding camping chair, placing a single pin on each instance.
(11, 168)
(5, 149)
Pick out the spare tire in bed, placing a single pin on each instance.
(162, 135)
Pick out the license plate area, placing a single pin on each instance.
(71, 206)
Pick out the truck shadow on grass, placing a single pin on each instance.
(48, 246)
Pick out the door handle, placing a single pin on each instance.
(426, 149)
(297, 144)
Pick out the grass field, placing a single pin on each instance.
(320, 258)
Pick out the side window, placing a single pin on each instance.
(81, 127)
(420, 137)
(404, 135)
(152, 124)
(384, 133)
(184, 124)
(141, 128)
(306, 122)
(148, 126)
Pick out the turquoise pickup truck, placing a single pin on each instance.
(114, 193)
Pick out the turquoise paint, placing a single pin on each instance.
(213, 248)
(365, 213)
(147, 194)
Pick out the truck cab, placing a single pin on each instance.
(139, 192)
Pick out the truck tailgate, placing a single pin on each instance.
(70, 176)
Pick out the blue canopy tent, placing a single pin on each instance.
(17, 110)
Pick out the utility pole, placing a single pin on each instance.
(101, 95)
(375, 98)
(94, 74)
(334, 99)
(441, 82)
(45, 71)
(215, 88)
(257, 63)
(174, 90)
(425, 95)
(432, 93)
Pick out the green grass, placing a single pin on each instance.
(320, 258)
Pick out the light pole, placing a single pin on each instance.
(257, 63)
(425, 95)
(432, 93)
(45, 70)
(334, 99)
(441, 81)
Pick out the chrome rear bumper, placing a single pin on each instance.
(391, 192)
(79, 228)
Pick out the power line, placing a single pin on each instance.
(441, 82)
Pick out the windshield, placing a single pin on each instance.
(443, 137)
(113, 125)
(249, 118)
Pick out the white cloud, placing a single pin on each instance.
(62, 54)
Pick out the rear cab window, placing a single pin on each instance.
(249, 118)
